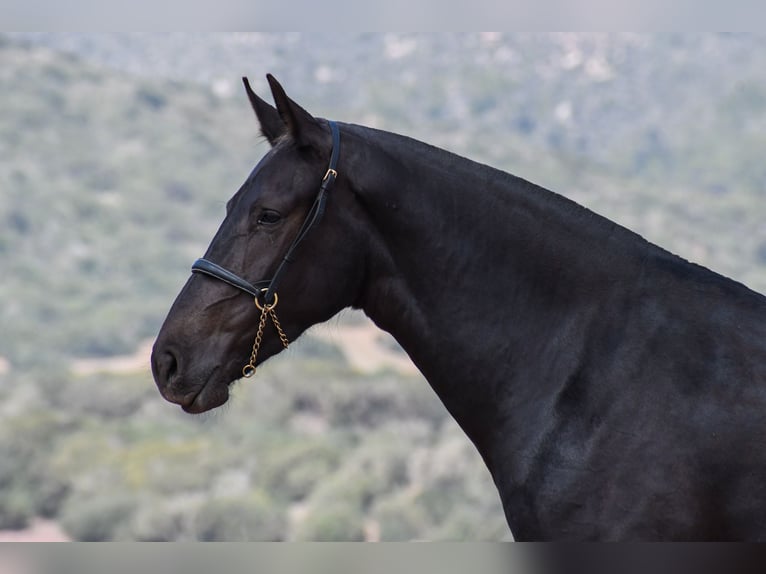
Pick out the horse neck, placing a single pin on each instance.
(476, 269)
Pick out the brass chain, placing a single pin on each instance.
(282, 336)
(266, 310)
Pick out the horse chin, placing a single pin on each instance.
(211, 395)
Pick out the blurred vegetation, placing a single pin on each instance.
(113, 181)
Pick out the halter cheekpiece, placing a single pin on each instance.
(265, 292)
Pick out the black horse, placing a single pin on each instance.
(614, 390)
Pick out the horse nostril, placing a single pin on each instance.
(165, 366)
(171, 366)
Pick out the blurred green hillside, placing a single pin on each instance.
(118, 153)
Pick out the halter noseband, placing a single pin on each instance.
(266, 290)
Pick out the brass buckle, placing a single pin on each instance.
(330, 171)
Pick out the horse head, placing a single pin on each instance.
(210, 329)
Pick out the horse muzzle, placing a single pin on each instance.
(194, 394)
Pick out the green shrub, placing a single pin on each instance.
(441, 497)
(339, 522)
(50, 494)
(252, 517)
(27, 485)
(399, 518)
(471, 523)
(16, 508)
(374, 469)
(165, 520)
(294, 470)
(155, 525)
(98, 517)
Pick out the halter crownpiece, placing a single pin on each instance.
(265, 292)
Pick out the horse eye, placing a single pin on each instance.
(269, 217)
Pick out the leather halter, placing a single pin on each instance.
(266, 290)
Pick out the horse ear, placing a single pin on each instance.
(301, 125)
(272, 126)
